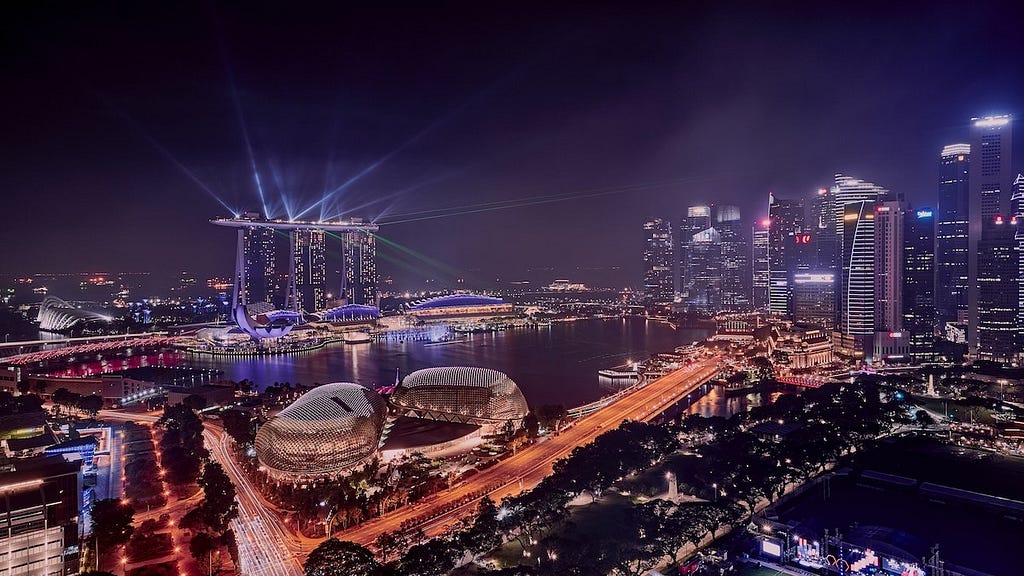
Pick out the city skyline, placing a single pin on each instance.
(101, 134)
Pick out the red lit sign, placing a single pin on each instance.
(803, 238)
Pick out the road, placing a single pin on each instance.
(529, 466)
(264, 547)
(267, 548)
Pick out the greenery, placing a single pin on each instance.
(112, 522)
(337, 558)
(182, 444)
(218, 507)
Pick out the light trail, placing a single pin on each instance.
(239, 116)
(164, 151)
(433, 213)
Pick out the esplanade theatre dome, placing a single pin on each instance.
(461, 394)
(329, 430)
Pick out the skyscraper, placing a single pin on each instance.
(989, 182)
(822, 226)
(951, 260)
(854, 212)
(857, 312)
(814, 299)
(998, 268)
(919, 282)
(658, 261)
(1017, 209)
(697, 219)
(735, 259)
(704, 270)
(359, 272)
(890, 342)
(848, 189)
(260, 265)
(785, 220)
(310, 259)
(759, 266)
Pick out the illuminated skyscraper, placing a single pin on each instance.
(260, 265)
(310, 259)
(359, 250)
(785, 221)
(857, 313)
(1017, 209)
(890, 342)
(704, 270)
(919, 282)
(998, 269)
(951, 261)
(697, 220)
(989, 180)
(735, 259)
(658, 261)
(814, 299)
(759, 267)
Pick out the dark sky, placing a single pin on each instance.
(466, 107)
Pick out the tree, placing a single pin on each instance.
(484, 534)
(182, 467)
(532, 425)
(218, 505)
(64, 399)
(431, 558)
(923, 418)
(386, 543)
(334, 557)
(239, 426)
(195, 402)
(112, 522)
(91, 404)
(201, 546)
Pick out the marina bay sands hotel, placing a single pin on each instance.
(261, 284)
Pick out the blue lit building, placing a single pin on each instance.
(459, 306)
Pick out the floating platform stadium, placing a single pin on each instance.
(337, 427)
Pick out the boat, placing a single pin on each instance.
(618, 374)
(356, 338)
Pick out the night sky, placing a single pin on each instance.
(126, 125)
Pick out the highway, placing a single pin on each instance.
(264, 548)
(529, 466)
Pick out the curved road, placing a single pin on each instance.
(529, 466)
(268, 548)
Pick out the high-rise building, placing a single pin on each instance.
(704, 270)
(853, 208)
(989, 183)
(814, 299)
(1017, 209)
(997, 300)
(759, 266)
(260, 265)
(951, 223)
(785, 221)
(848, 189)
(919, 283)
(890, 342)
(735, 259)
(659, 261)
(310, 259)
(822, 225)
(42, 497)
(359, 272)
(697, 219)
(857, 312)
